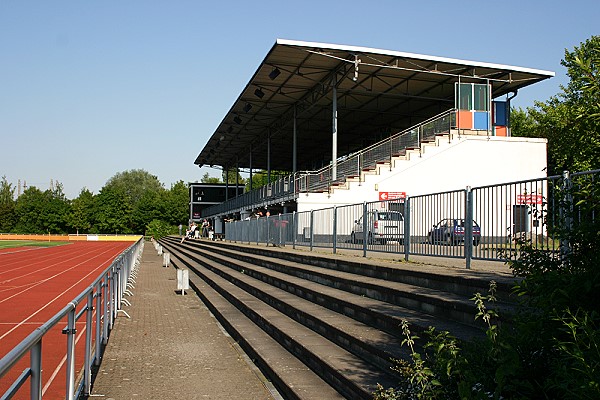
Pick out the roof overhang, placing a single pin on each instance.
(379, 92)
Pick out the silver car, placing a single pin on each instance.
(380, 227)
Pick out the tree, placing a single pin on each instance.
(570, 120)
(149, 207)
(57, 210)
(177, 204)
(82, 212)
(261, 178)
(113, 211)
(41, 212)
(134, 183)
(209, 179)
(7, 206)
(232, 175)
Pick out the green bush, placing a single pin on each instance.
(158, 229)
(551, 348)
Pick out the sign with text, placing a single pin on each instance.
(530, 199)
(391, 196)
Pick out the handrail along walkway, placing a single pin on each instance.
(107, 290)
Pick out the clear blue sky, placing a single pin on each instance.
(92, 88)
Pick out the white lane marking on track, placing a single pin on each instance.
(21, 250)
(56, 297)
(32, 270)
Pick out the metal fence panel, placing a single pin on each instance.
(322, 229)
(302, 231)
(511, 212)
(501, 216)
(432, 224)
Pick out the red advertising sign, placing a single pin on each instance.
(391, 195)
(530, 199)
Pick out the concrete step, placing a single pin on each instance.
(460, 281)
(309, 303)
(292, 378)
(445, 304)
(341, 369)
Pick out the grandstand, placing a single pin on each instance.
(351, 124)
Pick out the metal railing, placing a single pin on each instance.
(102, 300)
(484, 223)
(351, 166)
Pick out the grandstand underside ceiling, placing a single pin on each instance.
(378, 93)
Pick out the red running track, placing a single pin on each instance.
(35, 284)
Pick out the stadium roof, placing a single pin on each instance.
(379, 92)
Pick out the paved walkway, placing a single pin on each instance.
(172, 347)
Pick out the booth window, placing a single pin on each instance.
(473, 97)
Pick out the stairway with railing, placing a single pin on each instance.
(348, 167)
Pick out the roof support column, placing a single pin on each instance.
(334, 132)
(294, 145)
(237, 175)
(226, 183)
(250, 167)
(269, 157)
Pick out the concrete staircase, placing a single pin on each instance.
(396, 160)
(326, 327)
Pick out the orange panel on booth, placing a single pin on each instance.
(465, 119)
(500, 131)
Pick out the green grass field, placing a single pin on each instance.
(7, 244)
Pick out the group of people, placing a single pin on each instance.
(258, 214)
(194, 231)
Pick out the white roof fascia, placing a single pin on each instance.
(286, 42)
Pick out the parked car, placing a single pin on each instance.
(452, 231)
(380, 227)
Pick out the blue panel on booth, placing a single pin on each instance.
(480, 120)
(500, 114)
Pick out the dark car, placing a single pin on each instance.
(452, 231)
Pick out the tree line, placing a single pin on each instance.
(131, 202)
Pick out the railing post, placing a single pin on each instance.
(268, 238)
(70, 365)
(334, 229)
(294, 230)
(364, 226)
(359, 168)
(566, 217)
(468, 226)
(406, 228)
(106, 303)
(311, 229)
(110, 300)
(35, 363)
(87, 373)
(99, 311)
(280, 230)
